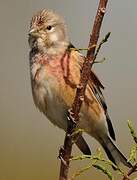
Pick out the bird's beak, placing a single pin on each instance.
(34, 33)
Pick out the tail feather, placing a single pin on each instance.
(113, 152)
(83, 146)
(110, 127)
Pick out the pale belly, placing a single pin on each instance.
(56, 111)
(47, 99)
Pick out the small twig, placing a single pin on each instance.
(101, 61)
(101, 43)
(95, 162)
(104, 40)
(82, 49)
(73, 116)
(100, 159)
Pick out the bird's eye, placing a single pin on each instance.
(49, 27)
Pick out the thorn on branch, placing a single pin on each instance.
(103, 10)
(71, 113)
(82, 98)
(79, 86)
(61, 153)
(63, 161)
(71, 121)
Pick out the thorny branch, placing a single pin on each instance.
(73, 114)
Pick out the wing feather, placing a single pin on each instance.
(96, 86)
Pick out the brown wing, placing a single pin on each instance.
(96, 87)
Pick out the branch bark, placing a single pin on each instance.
(130, 172)
(73, 115)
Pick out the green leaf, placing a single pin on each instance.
(132, 131)
(133, 154)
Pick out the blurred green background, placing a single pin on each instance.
(29, 143)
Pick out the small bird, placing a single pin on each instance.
(55, 68)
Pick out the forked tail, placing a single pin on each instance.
(113, 152)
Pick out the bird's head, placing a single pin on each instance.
(48, 32)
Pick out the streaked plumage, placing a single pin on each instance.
(55, 73)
